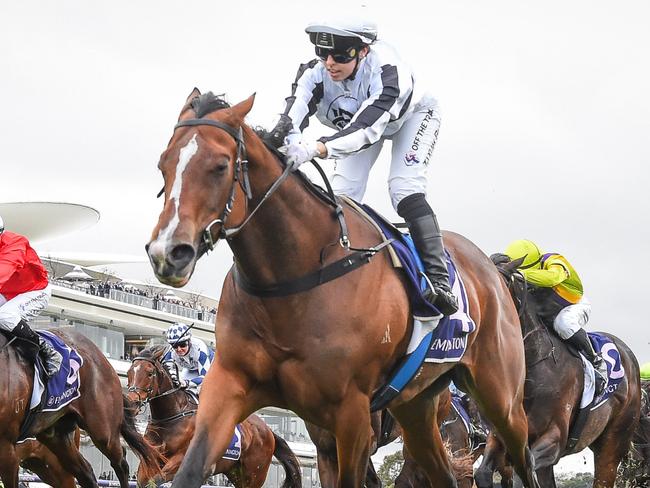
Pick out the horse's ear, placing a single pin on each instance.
(195, 93)
(242, 108)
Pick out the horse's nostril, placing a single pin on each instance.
(181, 255)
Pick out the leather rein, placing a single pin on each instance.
(357, 258)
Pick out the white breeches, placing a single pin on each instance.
(413, 144)
(23, 307)
(572, 318)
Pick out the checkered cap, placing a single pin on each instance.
(178, 332)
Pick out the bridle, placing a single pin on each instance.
(142, 402)
(357, 258)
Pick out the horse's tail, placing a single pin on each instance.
(289, 462)
(151, 459)
(461, 462)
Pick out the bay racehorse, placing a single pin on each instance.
(172, 426)
(38, 459)
(554, 386)
(99, 411)
(294, 329)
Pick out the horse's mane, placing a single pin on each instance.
(208, 102)
(154, 353)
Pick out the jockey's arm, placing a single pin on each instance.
(12, 258)
(546, 278)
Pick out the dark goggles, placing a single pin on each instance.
(339, 56)
(180, 345)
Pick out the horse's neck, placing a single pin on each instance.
(168, 405)
(292, 226)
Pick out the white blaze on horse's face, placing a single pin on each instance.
(164, 238)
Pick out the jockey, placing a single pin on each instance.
(189, 354)
(567, 306)
(359, 87)
(24, 293)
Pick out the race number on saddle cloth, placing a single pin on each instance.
(435, 338)
(60, 389)
(615, 372)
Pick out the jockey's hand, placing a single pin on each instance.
(300, 152)
(183, 384)
(500, 259)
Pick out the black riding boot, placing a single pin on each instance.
(581, 342)
(427, 238)
(51, 357)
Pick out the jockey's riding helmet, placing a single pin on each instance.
(341, 34)
(178, 332)
(526, 249)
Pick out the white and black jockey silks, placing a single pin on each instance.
(63, 387)
(604, 346)
(372, 105)
(233, 451)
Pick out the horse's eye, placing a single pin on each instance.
(151, 374)
(221, 168)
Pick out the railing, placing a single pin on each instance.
(146, 302)
(108, 483)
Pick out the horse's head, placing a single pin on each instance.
(147, 377)
(204, 170)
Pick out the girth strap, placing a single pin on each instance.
(312, 280)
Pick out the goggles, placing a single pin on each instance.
(342, 56)
(180, 345)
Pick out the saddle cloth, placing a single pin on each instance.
(435, 338)
(612, 357)
(233, 451)
(61, 388)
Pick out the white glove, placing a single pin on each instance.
(300, 152)
(183, 384)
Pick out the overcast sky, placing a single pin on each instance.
(545, 106)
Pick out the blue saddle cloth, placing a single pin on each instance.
(233, 451)
(612, 357)
(447, 341)
(63, 387)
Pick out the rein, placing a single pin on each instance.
(149, 390)
(328, 273)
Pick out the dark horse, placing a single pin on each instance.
(384, 430)
(323, 350)
(99, 411)
(38, 459)
(172, 426)
(635, 467)
(554, 385)
(461, 449)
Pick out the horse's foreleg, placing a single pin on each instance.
(352, 431)
(500, 395)
(224, 402)
(63, 444)
(418, 419)
(8, 465)
(493, 457)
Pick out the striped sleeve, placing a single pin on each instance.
(390, 96)
(306, 94)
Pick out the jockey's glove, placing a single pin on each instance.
(183, 384)
(300, 152)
